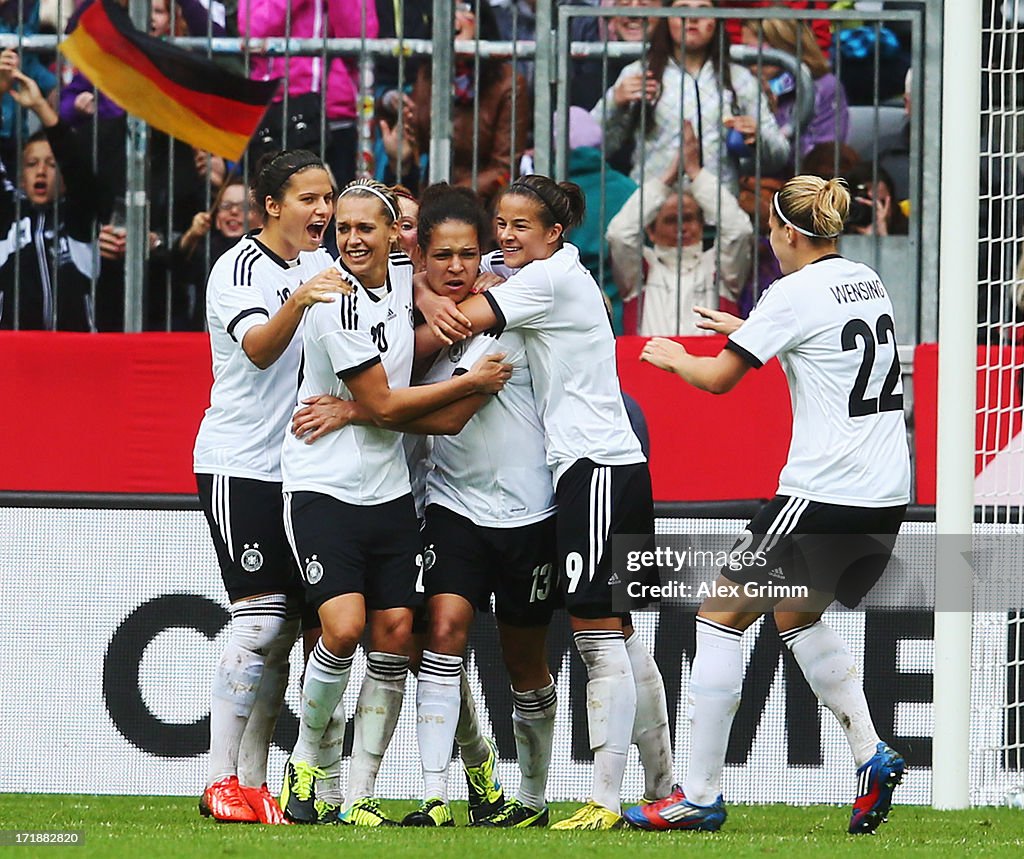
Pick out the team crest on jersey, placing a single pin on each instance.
(314, 570)
(252, 558)
(429, 558)
(456, 351)
(412, 315)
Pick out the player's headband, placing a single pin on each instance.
(519, 185)
(778, 211)
(300, 159)
(375, 192)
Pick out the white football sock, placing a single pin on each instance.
(437, 714)
(380, 702)
(650, 728)
(473, 749)
(832, 675)
(328, 788)
(716, 682)
(533, 721)
(324, 684)
(259, 732)
(255, 623)
(611, 708)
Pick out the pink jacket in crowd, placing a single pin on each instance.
(310, 19)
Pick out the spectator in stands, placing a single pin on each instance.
(233, 215)
(79, 100)
(314, 19)
(410, 167)
(675, 274)
(756, 200)
(874, 210)
(49, 249)
(196, 179)
(497, 137)
(894, 148)
(410, 19)
(859, 47)
(177, 183)
(54, 15)
(681, 81)
(824, 161)
(392, 80)
(831, 119)
(592, 76)
(606, 192)
(31, 65)
(516, 20)
(821, 27)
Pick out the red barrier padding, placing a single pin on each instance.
(998, 413)
(707, 447)
(926, 416)
(101, 412)
(119, 413)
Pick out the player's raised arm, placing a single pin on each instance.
(716, 375)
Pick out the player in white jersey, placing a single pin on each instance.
(841, 499)
(324, 413)
(602, 484)
(489, 529)
(256, 297)
(348, 510)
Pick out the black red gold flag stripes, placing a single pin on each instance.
(180, 93)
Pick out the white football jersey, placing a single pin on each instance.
(241, 432)
(494, 472)
(357, 464)
(831, 326)
(559, 309)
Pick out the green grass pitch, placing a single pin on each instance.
(170, 828)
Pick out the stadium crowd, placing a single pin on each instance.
(749, 139)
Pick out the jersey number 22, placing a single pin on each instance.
(887, 400)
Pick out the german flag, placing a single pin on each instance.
(182, 94)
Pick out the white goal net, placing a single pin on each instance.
(997, 723)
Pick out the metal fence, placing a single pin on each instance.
(143, 290)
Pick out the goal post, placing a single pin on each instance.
(958, 276)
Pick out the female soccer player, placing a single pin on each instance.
(256, 297)
(602, 484)
(326, 413)
(490, 529)
(842, 496)
(348, 508)
(408, 218)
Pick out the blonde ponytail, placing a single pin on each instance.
(831, 207)
(814, 206)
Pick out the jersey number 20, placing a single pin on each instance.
(887, 400)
